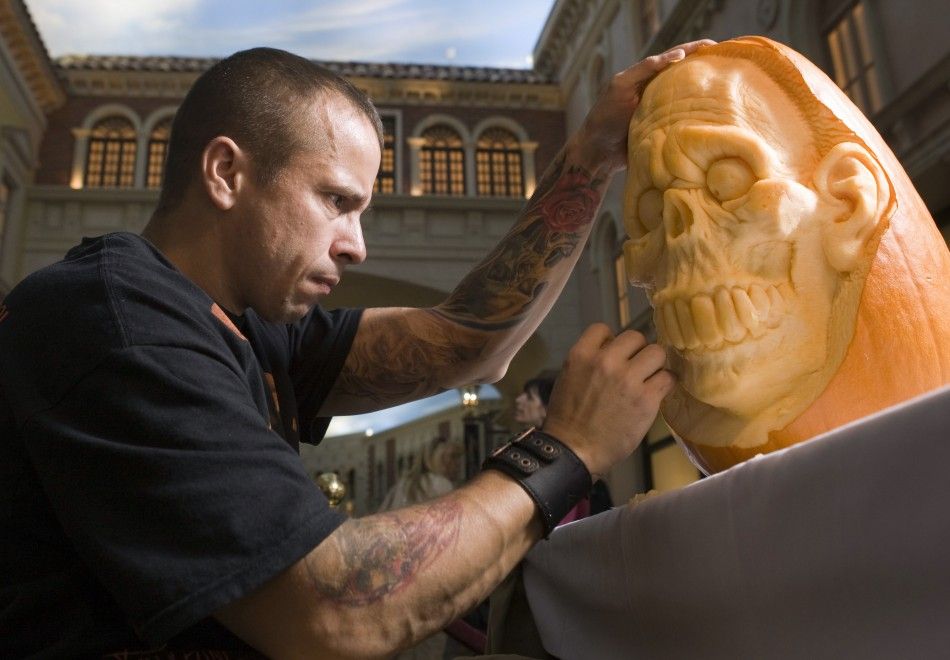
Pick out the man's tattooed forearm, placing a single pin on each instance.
(499, 291)
(381, 555)
(399, 359)
(393, 360)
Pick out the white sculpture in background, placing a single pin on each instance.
(749, 223)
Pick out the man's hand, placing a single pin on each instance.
(403, 354)
(607, 395)
(602, 139)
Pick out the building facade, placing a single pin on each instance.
(82, 140)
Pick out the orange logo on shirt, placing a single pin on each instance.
(4, 313)
(221, 316)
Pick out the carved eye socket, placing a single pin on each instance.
(729, 178)
(650, 209)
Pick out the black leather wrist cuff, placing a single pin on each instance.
(552, 474)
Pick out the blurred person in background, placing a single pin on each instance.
(531, 408)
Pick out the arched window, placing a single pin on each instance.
(110, 158)
(849, 41)
(498, 164)
(386, 178)
(442, 162)
(157, 150)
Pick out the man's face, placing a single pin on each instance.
(297, 235)
(724, 233)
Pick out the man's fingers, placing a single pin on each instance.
(662, 383)
(626, 345)
(594, 337)
(693, 45)
(647, 362)
(652, 65)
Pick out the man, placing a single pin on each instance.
(154, 390)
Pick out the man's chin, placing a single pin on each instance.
(288, 312)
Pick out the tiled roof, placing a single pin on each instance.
(348, 69)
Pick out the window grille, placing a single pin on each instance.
(442, 162)
(386, 178)
(849, 43)
(157, 150)
(498, 166)
(110, 159)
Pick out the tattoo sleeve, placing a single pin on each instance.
(404, 356)
(380, 555)
(500, 290)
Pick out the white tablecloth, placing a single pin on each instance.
(835, 548)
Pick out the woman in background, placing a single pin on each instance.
(432, 475)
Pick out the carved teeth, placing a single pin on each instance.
(673, 326)
(777, 308)
(761, 301)
(747, 312)
(706, 321)
(704, 316)
(726, 315)
(690, 340)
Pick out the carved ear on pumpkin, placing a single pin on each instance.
(851, 182)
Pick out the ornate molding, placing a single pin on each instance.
(562, 28)
(29, 55)
(175, 84)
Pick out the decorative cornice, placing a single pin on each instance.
(469, 94)
(390, 70)
(175, 82)
(562, 27)
(29, 55)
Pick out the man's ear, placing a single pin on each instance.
(851, 183)
(222, 171)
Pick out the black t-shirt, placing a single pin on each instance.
(148, 453)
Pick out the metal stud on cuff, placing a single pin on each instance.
(548, 470)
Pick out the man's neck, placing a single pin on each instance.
(194, 247)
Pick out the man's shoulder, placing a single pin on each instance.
(116, 290)
(107, 294)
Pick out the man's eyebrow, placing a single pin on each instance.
(352, 195)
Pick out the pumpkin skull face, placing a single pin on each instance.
(726, 233)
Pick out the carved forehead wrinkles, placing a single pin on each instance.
(728, 92)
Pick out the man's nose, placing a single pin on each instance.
(681, 210)
(349, 244)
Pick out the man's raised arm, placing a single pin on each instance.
(402, 354)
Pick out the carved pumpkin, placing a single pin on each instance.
(798, 280)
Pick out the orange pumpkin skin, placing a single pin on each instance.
(901, 342)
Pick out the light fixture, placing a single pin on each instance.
(470, 395)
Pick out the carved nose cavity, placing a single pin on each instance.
(679, 216)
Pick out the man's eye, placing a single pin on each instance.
(337, 201)
(650, 209)
(729, 178)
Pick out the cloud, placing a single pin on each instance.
(111, 26)
(489, 33)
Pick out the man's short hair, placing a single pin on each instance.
(252, 97)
